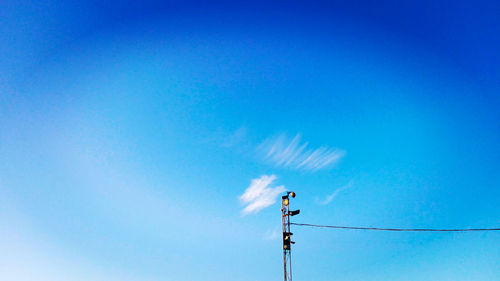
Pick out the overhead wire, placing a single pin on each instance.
(398, 229)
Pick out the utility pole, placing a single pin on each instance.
(287, 234)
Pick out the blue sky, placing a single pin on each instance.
(150, 141)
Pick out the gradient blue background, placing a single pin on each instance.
(117, 160)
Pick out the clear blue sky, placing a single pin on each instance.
(149, 141)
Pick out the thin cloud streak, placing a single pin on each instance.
(295, 154)
(259, 195)
(235, 137)
(273, 234)
(332, 196)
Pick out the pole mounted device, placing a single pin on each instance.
(287, 234)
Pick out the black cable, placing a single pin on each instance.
(398, 229)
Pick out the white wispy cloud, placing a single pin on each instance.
(234, 138)
(273, 234)
(228, 138)
(260, 194)
(295, 154)
(334, 194)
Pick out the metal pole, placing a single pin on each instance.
(285, 221)
(284, 225)
(289, 250)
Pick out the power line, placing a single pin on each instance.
(398, 229)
